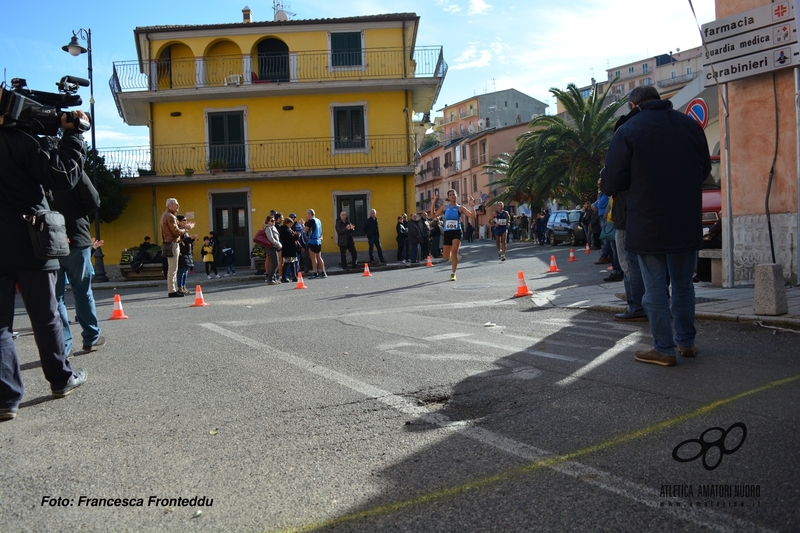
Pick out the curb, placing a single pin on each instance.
(778, 321)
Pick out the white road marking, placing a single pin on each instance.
(604, 480)
(619, 347)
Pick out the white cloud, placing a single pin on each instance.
(478, 7)
(471, 57)
(451, 8)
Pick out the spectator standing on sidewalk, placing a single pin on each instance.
(229, 258)
(207, 253)
(628, 261)
(402, 236)
(185, 259)
(425, 227)
(436, 236)
(273, 237)
(302, 263)
(414, 237)
(76, 205)
(373, 236)
(660, 156)
(344, 237)
(170, 235)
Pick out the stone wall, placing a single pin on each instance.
(751, 246)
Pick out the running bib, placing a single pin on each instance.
(502, 221)
(450, 224)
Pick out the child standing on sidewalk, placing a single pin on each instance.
(208, 257)
(228, 258)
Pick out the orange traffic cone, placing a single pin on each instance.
(429, 263)
(572, 257)
(118, 313)
(522, 286)
(553, 265)
(300, 283)
(199, 301)
(366, 271)
(588, 249)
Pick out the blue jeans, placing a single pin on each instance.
(615, 264)
(414, 251)
(77, 266)
(183, 274)
(375, 243)
(634, 285)
(680, 267)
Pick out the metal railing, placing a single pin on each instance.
(383, 63)
(257, 156)
(677, 80)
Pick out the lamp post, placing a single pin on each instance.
(74, 48)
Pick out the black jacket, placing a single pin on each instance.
(414, 232)
(371, 228)
(28, 166)
(661, 158)
(344, 236)
(425, 227)
(76, 205)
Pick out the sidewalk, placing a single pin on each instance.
(734, 305)
(117, 281)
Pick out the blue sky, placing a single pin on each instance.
(528, 45)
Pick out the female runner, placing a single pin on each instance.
(452, 226)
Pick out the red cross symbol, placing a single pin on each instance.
(780, 11)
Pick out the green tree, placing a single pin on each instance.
(429, 141)
(562, 157)
(109, 186)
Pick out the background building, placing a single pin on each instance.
(284, 114)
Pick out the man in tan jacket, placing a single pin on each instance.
(171, 235)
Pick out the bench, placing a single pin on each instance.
(715, 255)
(149, 271)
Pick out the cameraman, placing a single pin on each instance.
(29, 165)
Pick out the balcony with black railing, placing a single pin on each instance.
(291, 67)
(261, 156)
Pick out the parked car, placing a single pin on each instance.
(712, 195)
(564, 226)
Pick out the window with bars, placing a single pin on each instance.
(348, 127)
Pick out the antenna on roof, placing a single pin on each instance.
(281, 10)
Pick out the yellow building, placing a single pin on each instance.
(285, 115)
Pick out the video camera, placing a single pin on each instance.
(39, 112)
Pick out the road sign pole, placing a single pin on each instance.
(730, 282)
(797, 164)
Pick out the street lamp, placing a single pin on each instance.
(74, 48)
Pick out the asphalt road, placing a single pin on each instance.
(403, 402)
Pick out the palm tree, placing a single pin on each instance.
(562, 157)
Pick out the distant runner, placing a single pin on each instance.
(500, 223)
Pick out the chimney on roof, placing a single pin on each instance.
(246, 15)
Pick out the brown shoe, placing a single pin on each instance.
(691, 351)
(602, 261)
(655, 358)
(622, 296)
